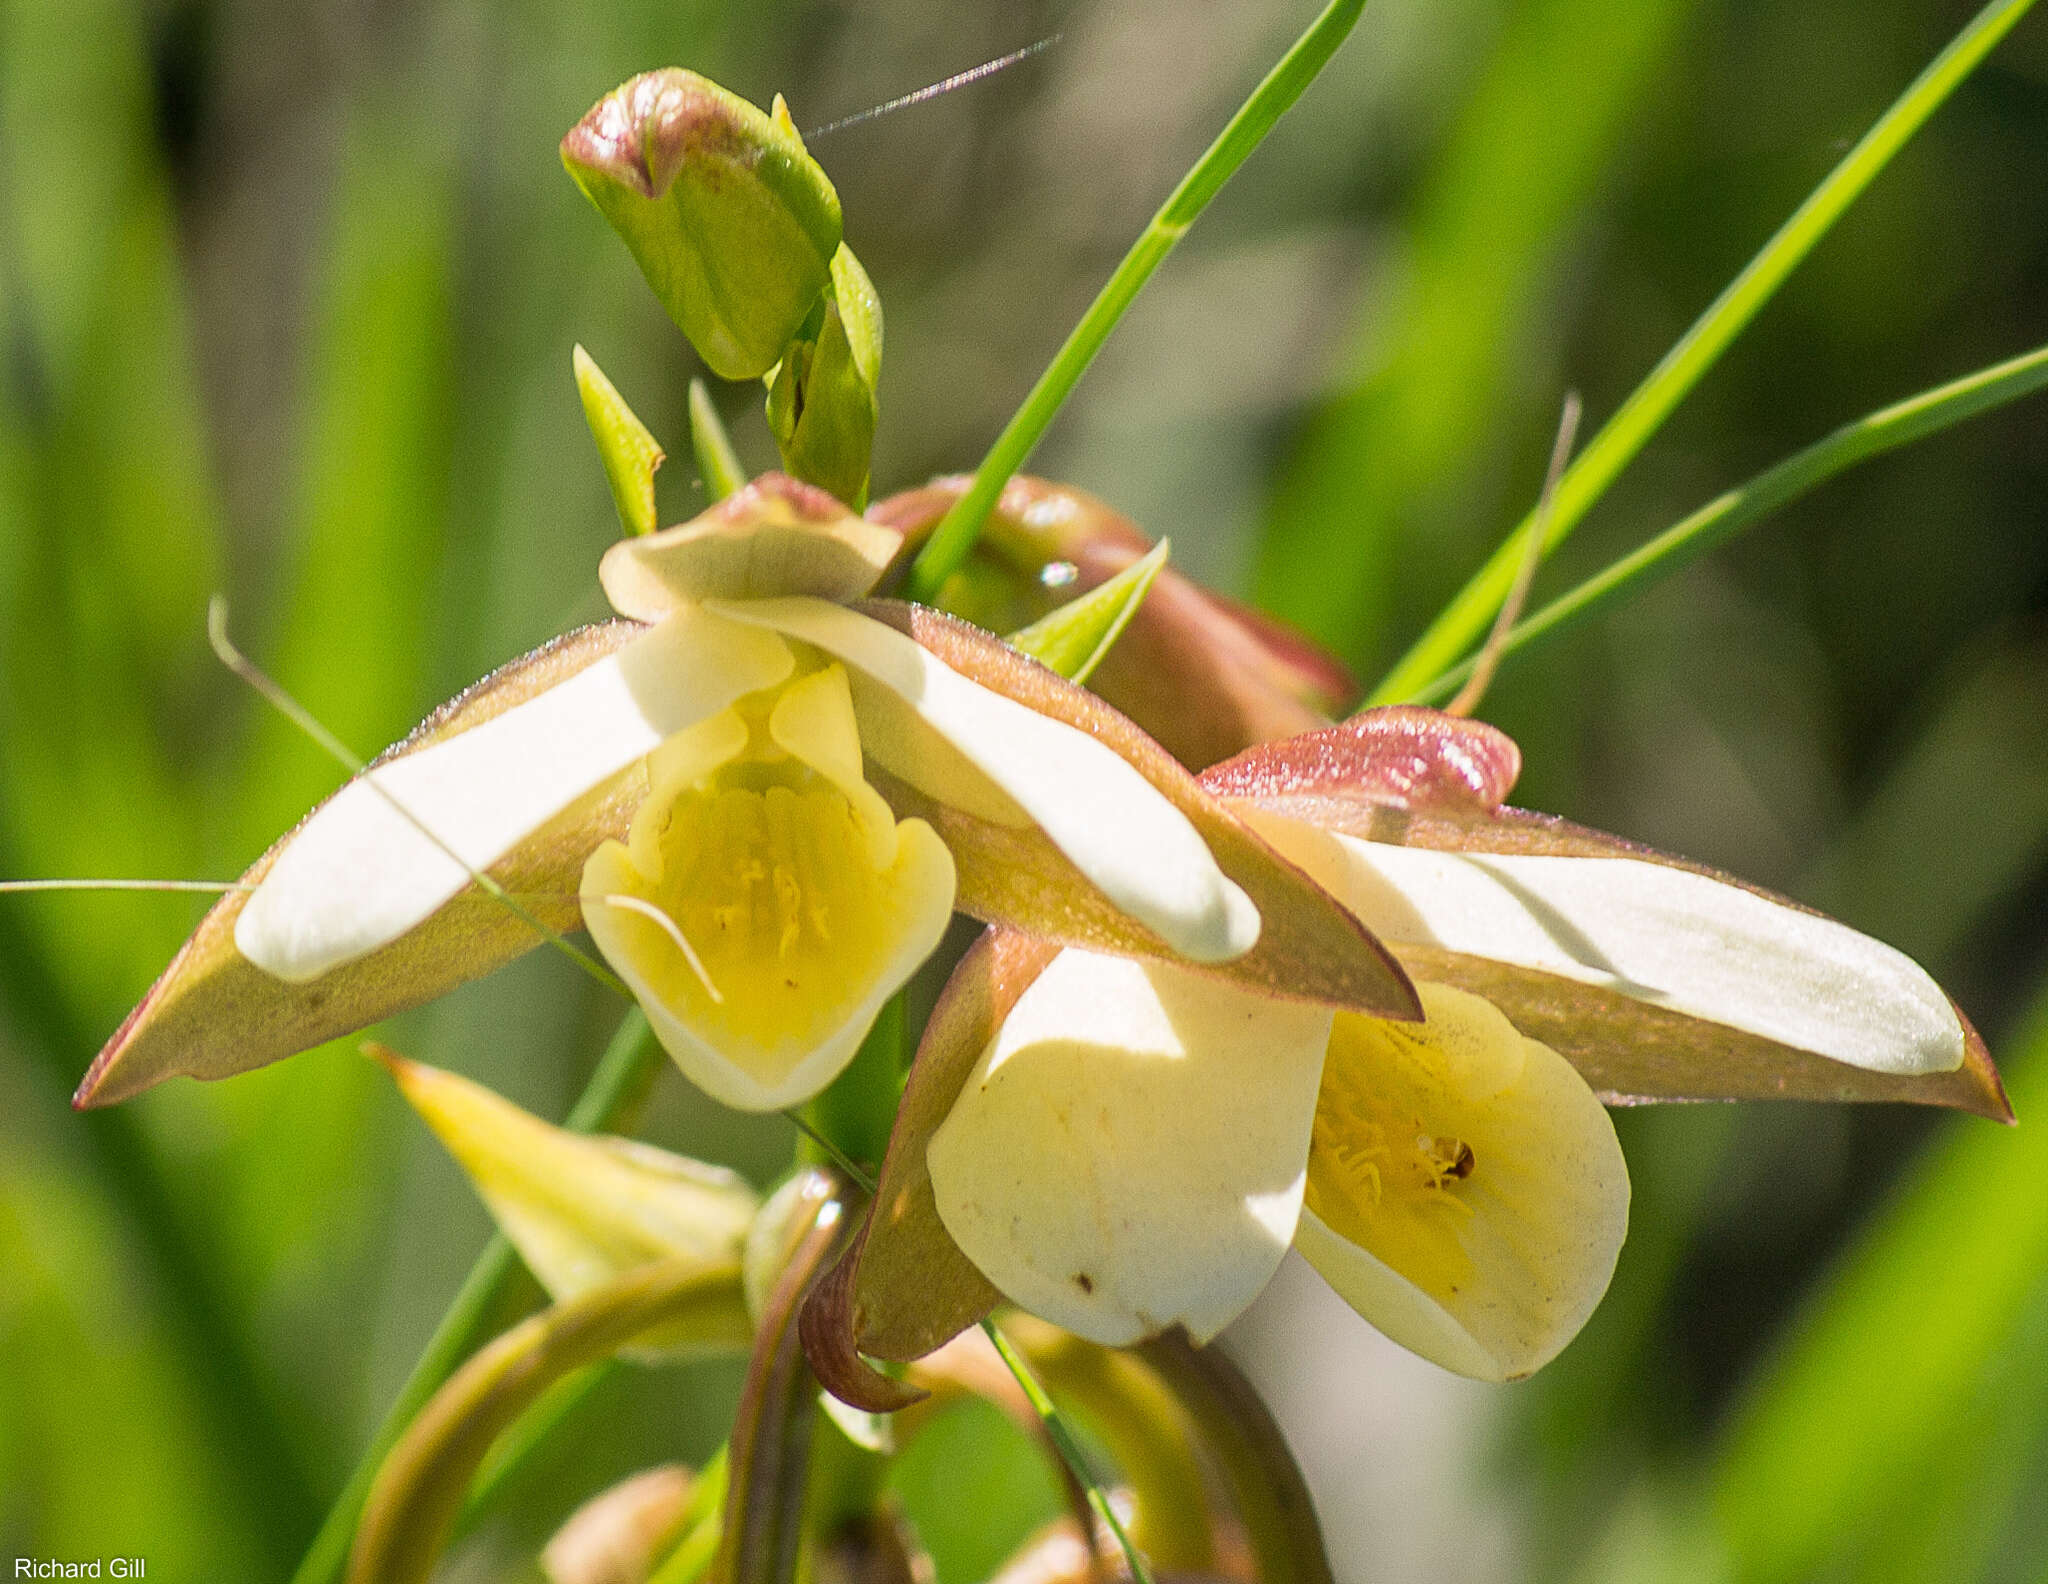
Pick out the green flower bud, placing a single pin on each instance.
(732, 222)
(821, 398)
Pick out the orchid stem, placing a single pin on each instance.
(954, 537)
(1622, 436)
(610, 1101)
(1720, 520)
(1070, 1451)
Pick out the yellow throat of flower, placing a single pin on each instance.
(1390, 1167)
(767, 899)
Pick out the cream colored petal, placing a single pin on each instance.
(751, 1038)
(1127, 1155)
(580, 1210)
(1659, 934)
(1109, 820)
(1466, 1193)
(360, 873)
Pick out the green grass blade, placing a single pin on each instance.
(1719, 520)
(1062, 1436)
(955, 535)
(1365, 529)
(613, 1096)
(1466, 617)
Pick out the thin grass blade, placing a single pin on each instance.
(1643, 414)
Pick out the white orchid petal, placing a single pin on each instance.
(1116, 827)
(1127, 1154)
(1659, 934)
(360, 872)
(1466, 1193)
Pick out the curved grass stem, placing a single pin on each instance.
(954, 537)
(1721, 519)
(1462, 621)
(613, 1097)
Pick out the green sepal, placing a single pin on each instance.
(1073, 639)
(731, 220)
(821, 396)
(629, 452)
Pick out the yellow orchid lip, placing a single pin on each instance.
(766, 901)
(1466, 1193)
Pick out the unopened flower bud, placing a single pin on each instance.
(732, 222)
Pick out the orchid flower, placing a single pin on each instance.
(765, 800)
(1125, 1148)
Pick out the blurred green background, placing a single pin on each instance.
(287, 295)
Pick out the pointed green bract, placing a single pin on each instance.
(1073, 639)
(731, 220)
(724, 474)
(580, 1209)
(821, 396)
(629, 453)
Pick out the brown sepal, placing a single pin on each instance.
(213, 1013)
(1404, 760)
(1421, 778)
(1310, 948)
(904, 1288)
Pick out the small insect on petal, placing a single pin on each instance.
(1466, 1193)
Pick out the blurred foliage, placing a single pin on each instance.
(287, 295)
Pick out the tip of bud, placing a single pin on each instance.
(641, 132)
